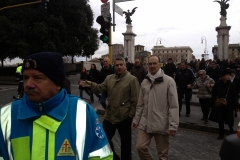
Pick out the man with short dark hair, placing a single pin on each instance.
(213, 71)
(184, 77)
(170, 68)
(47, 123)
(122, 92)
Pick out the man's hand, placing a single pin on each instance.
(134, 125)
(171, 132)
(208, 85)
(85, 83)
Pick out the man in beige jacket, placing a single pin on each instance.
(157, 112)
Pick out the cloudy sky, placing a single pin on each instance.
(176, 22)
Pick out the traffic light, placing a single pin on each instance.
(105, 28)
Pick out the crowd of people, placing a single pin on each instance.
(143, 96)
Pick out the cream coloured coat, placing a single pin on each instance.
(157, 110)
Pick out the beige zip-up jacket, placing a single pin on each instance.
(157, 110)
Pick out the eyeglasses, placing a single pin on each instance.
(200, 74)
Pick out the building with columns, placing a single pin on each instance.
(177, 53)
(232, 52)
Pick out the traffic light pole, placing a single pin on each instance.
(110, 43)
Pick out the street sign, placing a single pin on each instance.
(118, 10)
(116, 1)
(105, 9)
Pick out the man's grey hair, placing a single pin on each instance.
(122, 59)
(203, 71)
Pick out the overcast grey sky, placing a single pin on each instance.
(176, 22)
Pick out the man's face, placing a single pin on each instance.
(232, 74)
(183, 66)
(169, 61)
(153, 65)
(106, 62)
(213, 65)
(226, 77)
(137, 63)
(38, 87)
(119, 67)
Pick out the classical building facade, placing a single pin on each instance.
(141, 54)
(233, 51)
(117, 50)
(177, 53)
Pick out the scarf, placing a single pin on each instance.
(153, 77)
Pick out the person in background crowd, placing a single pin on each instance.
(198, 65)
(223, 64)
(83, 77)
(19, 79)
(202, 65)
(138, 71)
(189, 66)
(122, 89)
(170, 68)
(204, 85)
(184, 78)
(145, 66)
(236, 81)
(93, 76)
(213, 71)
(165, 121)
(48, 123)
(106, 70)
(223, 88)
(129, 65)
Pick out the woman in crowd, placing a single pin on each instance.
(204, 84)
(93, 76)
(223, 88)
(83, 77)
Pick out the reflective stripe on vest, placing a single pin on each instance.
(5, 120)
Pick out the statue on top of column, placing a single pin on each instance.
(128, 15)
(224, 6)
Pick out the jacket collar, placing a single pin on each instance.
(122, 75)
(56, 107)
(157, 80)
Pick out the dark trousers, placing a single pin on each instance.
(221, 127)
(205, 106)
(187, 95)
(124, 130)
(103, 100)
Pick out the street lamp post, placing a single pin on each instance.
(205, 50)
(159, 39)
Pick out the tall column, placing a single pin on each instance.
(129, 43)
(223, 38)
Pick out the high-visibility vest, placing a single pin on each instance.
(19, 149)
(19, 69)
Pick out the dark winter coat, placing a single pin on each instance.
(170, 69)
(183, 78)
(213, 73)
(219, 91)
(105, 72)
(93, 75)
(139, 72)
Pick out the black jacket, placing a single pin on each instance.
(183, 78)
(214, 73)
(105, 72)
(220, 90)
(170, 69)
(236, 82)
(93, 75)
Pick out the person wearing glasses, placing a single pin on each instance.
(204, 85)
